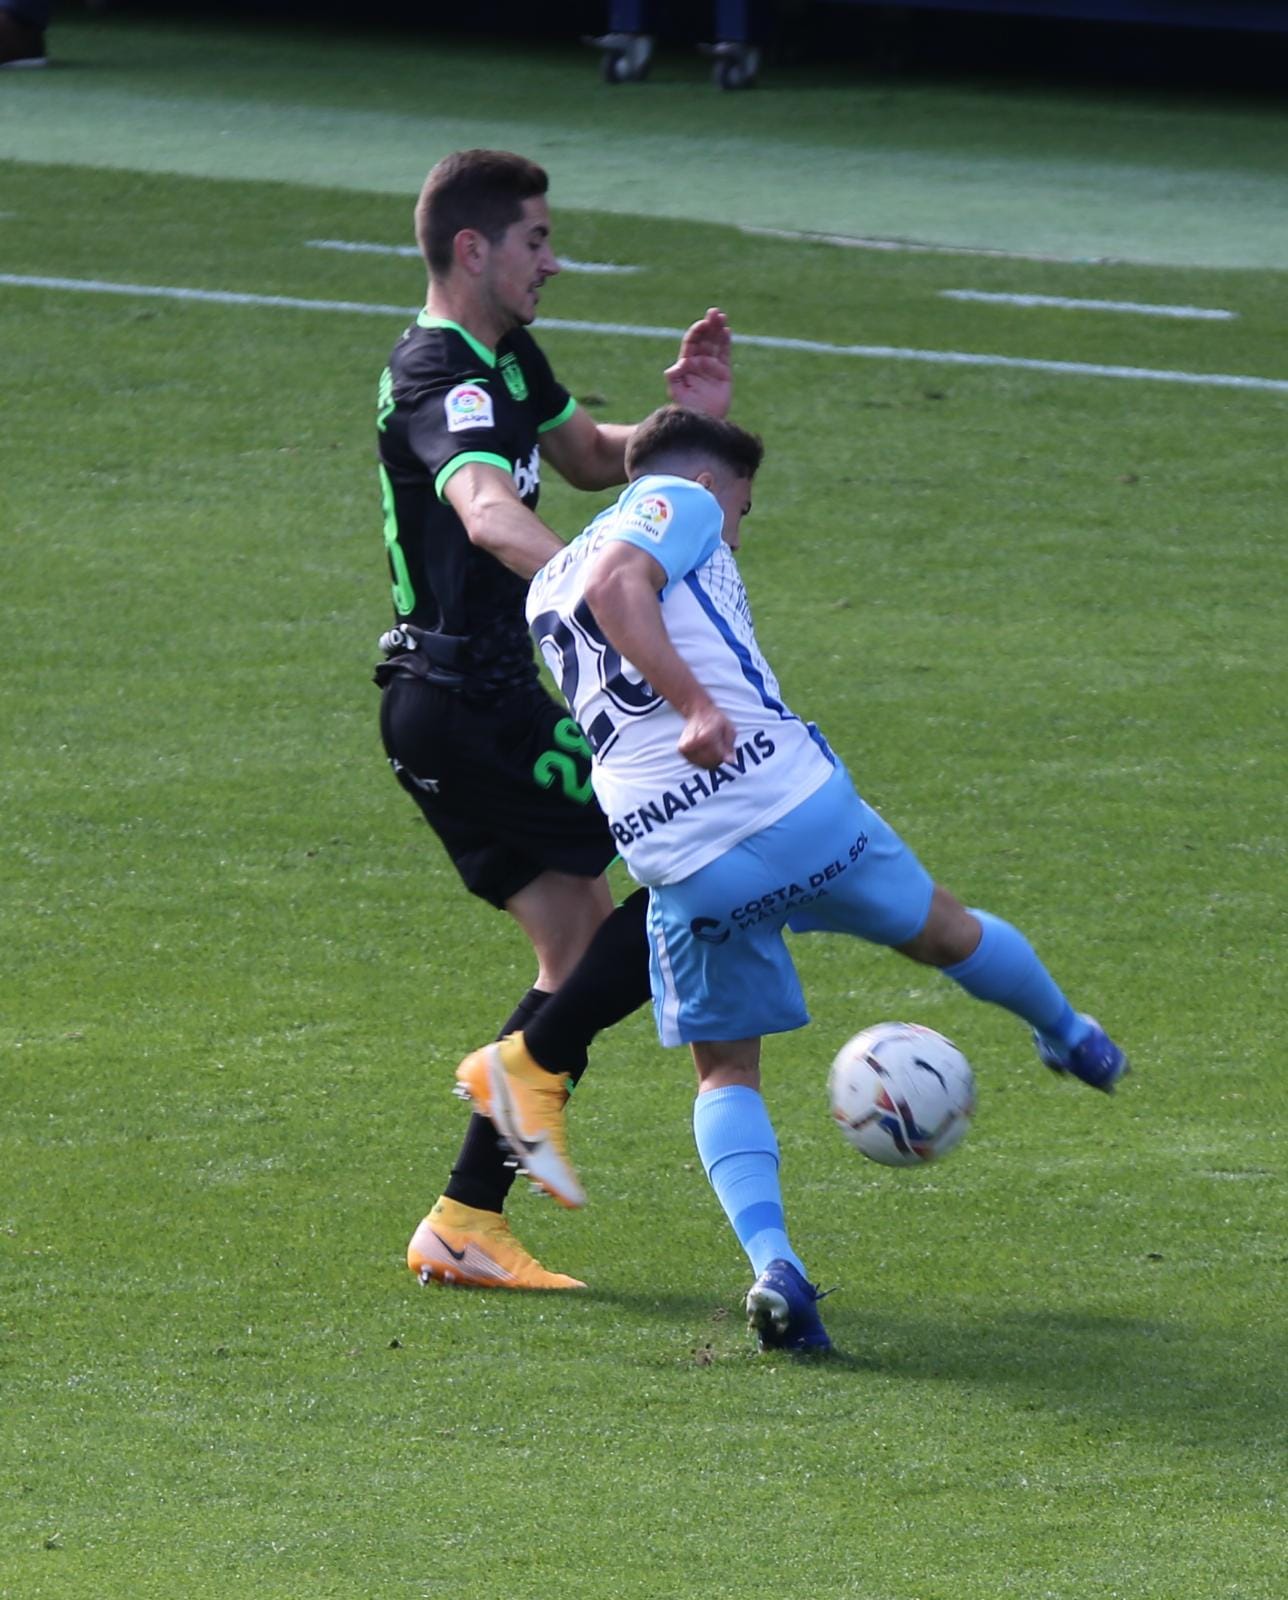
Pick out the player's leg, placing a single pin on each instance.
(523, 1081)
(739, 1152)
(443, 758)
(880, 891)
(560, 913)
(465, 1238)
(469, 771)
(484, 1171)
(546, 815)
(485, 1167)
(992, 960)
(719, 982)
(609, 982)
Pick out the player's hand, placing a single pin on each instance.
(702, 376)
(708, 738)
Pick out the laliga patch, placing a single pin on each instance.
(468, 405)
(652, 516)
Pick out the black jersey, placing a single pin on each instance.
(445, 399)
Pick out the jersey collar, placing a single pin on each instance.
(488, 357)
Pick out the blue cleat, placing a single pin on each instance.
(1097, 1060)
(782, 1311)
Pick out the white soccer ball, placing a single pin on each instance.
(902, 1094)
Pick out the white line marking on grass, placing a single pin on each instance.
(217, 297)
(354, 247)
(1196, 313)
(910, 247)
(950, 358)
(608, 268)
(761, 341)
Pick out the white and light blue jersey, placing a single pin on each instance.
(669, 817)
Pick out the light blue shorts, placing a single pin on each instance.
(720, 968)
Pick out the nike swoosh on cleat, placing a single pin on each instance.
(505, 1111)
(527, 1146)
(456, 1255)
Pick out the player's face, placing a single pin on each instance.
(519, 264)
(734, 498)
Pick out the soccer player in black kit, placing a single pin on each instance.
(468, 409)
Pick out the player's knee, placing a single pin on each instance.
(560, 915)
(728, 1064)
(950, 933)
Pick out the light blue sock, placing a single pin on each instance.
(1004, 968)
(739, 1152)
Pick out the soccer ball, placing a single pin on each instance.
(901, 1093)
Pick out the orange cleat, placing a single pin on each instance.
(526, 1106)
(457, 1244)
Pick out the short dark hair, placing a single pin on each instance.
(674, 436)
(480, 189)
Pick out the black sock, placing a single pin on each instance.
(524, 1012)
(480, 1177)
(608, 983)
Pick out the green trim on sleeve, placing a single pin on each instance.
(454, 465)
(563, 416)
(486, 356)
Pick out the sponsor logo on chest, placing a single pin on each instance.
(527, 474)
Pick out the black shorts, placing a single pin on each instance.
(504, 782)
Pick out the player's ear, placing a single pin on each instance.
(469, 250)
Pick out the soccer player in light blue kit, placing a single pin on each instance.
(742, 822)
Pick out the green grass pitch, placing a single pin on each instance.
(1041, 616)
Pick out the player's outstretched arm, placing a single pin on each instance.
(496, 520)
(702, 375)
(592, 455)
(622, 592)
(589, 454)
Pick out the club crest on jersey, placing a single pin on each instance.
(651, 515)
(512, 372)
(468, 405)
